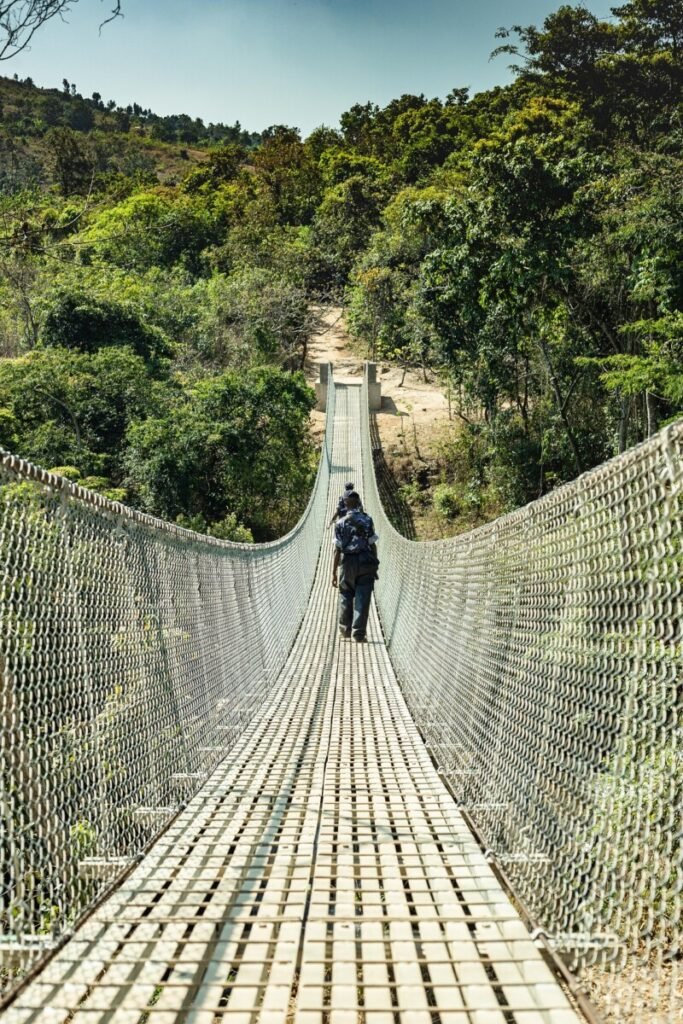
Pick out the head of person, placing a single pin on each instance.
(352, 500)
(348, 488)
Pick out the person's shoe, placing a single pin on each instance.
(359, 638)
(344, 632)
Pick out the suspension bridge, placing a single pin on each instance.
(217, 809)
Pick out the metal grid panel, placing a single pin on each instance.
(323, 875)
(541, 657)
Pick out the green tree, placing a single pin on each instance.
(52, 111)
(290, 172)
(343, 226)
(80, 116)
(71, 160)
(383, 306)
(159, 228)
(425, 137)
(496, 293)
(82, 322)
(223, 165)
(63, 407)
(652, 25)
(234, 444)
(256, 316)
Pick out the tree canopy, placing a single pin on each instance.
(524, 243)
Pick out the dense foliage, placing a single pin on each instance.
(154, 315)
(539, 262)
(159, 275)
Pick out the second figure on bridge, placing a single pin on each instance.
(355, 551)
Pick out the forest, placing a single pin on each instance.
(160, 278)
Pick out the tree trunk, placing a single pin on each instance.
(623, 424)
(651, 410)
(417, 450)
(561, 407)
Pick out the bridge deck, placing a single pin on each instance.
(323, 875)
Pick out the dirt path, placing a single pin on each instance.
(412, 416)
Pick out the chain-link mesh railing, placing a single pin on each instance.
(541, 656)
(132, 655)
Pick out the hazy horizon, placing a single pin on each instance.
(263, 62)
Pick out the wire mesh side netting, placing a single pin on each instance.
(541, 657)
(133, 654)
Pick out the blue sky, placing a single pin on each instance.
(262, 62)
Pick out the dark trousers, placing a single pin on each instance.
(355, 592)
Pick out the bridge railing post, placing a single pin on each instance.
(373, 386)
(322, 385)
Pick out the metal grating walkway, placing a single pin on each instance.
(323, 875)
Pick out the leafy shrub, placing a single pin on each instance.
(230, 529)
(79, 322)
(446, 501)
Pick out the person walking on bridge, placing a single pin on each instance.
(341, 509)
(355, 543)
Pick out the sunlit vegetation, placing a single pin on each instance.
(158, 275)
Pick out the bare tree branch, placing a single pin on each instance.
(113, 14)
(21, 19)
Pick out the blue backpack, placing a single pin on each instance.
(355, 530)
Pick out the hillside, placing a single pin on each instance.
(161, 280)
(129, 141)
